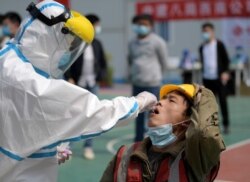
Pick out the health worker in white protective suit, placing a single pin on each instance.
(39, 112)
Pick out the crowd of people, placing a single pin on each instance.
(51, 111)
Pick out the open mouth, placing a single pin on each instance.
(155, 111)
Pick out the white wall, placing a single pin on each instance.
(14, 5)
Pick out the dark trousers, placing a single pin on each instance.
(187, 77)
(140, 120)
(220, 91)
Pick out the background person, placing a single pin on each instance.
(241, 59)
(11, 23)
(215, 69)
(2, 37)
(240, 56)
(147, 63)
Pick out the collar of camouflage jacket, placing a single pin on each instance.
(142, 150)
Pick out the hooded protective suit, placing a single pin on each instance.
(39, 112)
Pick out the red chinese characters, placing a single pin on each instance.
(194, 9)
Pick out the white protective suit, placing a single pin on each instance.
(37, 112)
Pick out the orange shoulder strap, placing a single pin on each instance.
(163, 171)
(182, 172)
(134, 173)
(132, 164)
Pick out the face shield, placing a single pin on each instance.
(72, 32)
(68, 50)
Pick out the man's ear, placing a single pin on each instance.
(188, 112)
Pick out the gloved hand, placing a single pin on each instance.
(63, 153)
(146, 101)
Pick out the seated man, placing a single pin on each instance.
(184, 142)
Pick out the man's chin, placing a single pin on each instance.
(152, 122)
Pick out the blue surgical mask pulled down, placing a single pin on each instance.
(141, 30)
(162, 136)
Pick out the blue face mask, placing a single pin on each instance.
(163, 135)
(141, 30)
(64, 62)
(98, 29)
(206, 36)
(6, 31)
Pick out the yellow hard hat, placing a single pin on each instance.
(80, 26)
(187, 89)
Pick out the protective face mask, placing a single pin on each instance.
(98, 29)
(64, 61)
(141, 30)
(6, 31)
(163, 135)
(206, 36)
(239, 52)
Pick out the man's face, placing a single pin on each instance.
(97, 24)
(209, 32)
(12, 26)
(144, 23)
(171, 109)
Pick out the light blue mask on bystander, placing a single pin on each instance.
(6, 30)
(98, 29)
(141, 30)
(206, 36)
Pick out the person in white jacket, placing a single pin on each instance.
(38, 111)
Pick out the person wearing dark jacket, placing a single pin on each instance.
(100, 65)
(215, 68)
(88, 70)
